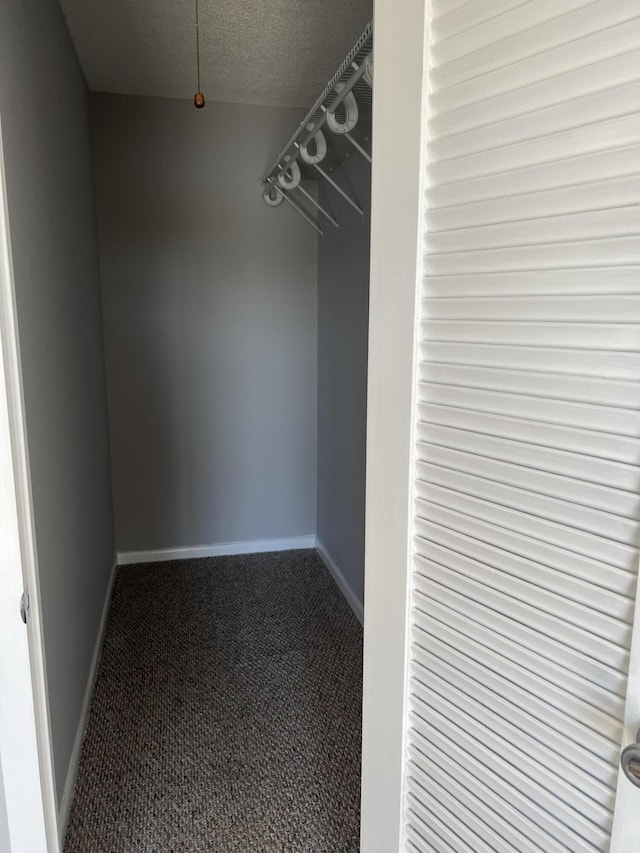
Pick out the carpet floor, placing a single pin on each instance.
(226, 713)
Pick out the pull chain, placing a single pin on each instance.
(198, 98)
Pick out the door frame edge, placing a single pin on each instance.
(9, 341)
(397, 235)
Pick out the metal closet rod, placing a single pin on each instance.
(328, 90)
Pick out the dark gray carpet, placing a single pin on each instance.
(226, 714)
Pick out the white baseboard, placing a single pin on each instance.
(222, 549)
(353, 599)
(72, 772)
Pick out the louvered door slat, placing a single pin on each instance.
(553, 153)
(482, 413)
(584, 169)
(598, 775)
(542, 255)
(470, 837)
(613, 364)
(493, 770)
(527, 469)
(603, 194)
(546, 659)
(563, 412)
(577, 82)
(429, 764)
(504, 470)
(562, 387)
(554, 31)
(495, 736)
(611, 532)
(513, 19)
(608, 580)
(552, 308)
(437, 786)
(545, 535)
(541, 67)
(468, 655)
(504, 726)
(523, 443)
(557, 228)
(605, 336)
(522, 573)
(558, 613)
(502, 132)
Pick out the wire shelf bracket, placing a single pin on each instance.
(284, 176)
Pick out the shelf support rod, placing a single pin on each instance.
(297, 207)
(358, 147)
(339, 189)
(319, 206)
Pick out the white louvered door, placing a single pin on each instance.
(528, 436)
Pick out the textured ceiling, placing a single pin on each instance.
(277, 52)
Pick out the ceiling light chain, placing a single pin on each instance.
(198, 98)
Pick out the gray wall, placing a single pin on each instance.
(210, 307)
(44, 110)
(343, 316)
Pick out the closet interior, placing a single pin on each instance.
(196, 397)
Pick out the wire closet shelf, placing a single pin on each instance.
(338, 109)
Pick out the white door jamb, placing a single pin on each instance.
(25, 737)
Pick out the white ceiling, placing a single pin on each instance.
(277, 52)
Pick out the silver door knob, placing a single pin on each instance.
(630, 761)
